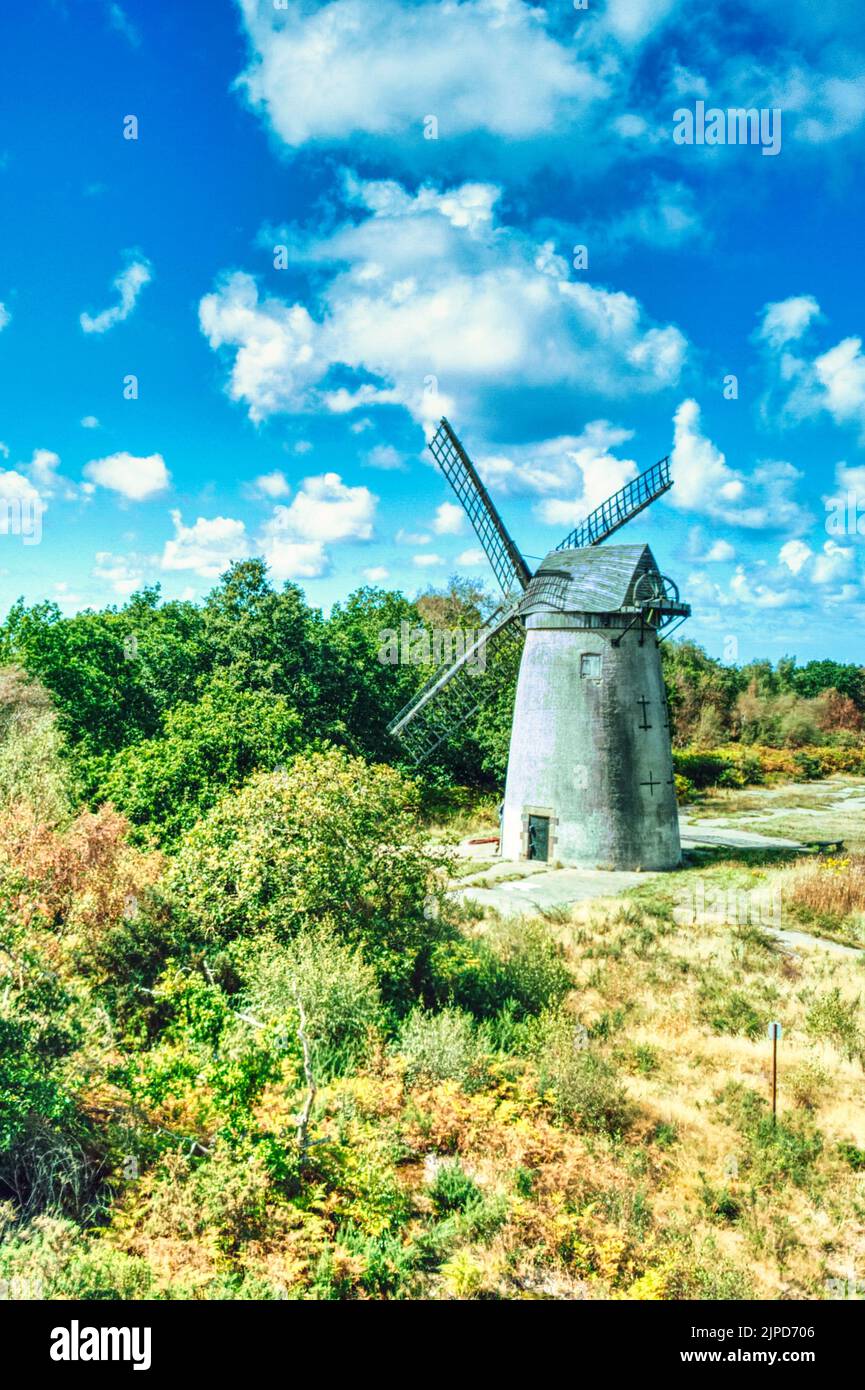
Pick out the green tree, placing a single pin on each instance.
(208, 747)
(332, 842)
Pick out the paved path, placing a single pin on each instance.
(514, 889)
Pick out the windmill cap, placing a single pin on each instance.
(596, 579)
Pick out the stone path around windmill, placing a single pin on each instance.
(520, 889)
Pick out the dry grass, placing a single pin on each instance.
(830, 887)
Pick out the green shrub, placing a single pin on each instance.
(832, 1019)
(332, 841)
(336, 989)
(730, 1012)
(777, 1150)
(584, 1087)
(516, 965)
(853, 1156)
(441, 1047)
(452, 1189)
(50, 1258)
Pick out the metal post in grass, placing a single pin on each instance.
(775, 1032)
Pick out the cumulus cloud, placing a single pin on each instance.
(804, 387)
(376, 574)
(428, 288)
(134, 478)
(330, 71)
(124, 573)
(207, 547)
(787, 319)
(90, 422)
(834, 564)
(428, 560)
(129, 283)
(324, 510)
(272, 485)
(449, 519)
(705, 483)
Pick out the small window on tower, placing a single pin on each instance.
(590, 665)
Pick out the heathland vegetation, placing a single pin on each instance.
(252, 1045)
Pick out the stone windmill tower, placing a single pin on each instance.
(590, 770)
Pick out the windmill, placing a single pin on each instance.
(590, 770)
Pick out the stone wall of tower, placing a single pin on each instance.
(592, 750)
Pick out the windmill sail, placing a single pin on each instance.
(456, 692)
(508, 564)
(619, 508)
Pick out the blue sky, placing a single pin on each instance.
(340, 220)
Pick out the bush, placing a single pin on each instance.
(441, 1047)
(209, 747)
(584, 1087)
(453, 1190)
(835, 1020)
(50, 1258)
(806, 1085)
(332, 842)
(517, 965)
(335, 987)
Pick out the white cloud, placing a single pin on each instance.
(795, 555)
(471, 558)
(132, 477)
(449, 520)
(833, 381)
(5, 316)
(428, 288)
(404, 537)
(326, 509)
(290, 559)
(841, 374)
(90, 422)
(129, 284)
(787, 319)
(208, 547)
(705, 483)
(835, 564)
(387, 458)
(633, 21)
(272, 485)
(376, 574)
(339, 69)
(754, 594)
(720, 552)
(14, 487)
(124, 573)
(427, 561)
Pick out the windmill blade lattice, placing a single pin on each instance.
(455, 692)
(508, 564)
(619, 508)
